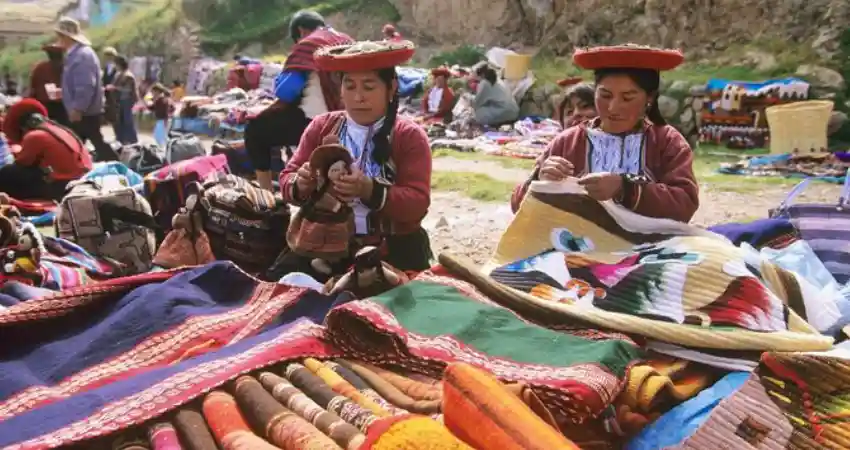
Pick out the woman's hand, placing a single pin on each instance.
(555, 168)
(602, 186)
(354, 185)
(305, 179)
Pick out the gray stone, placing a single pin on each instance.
(837, 120)
(822, 77)
(687, 115)
(763, 62)
(698, 90)
(442, 222)
(679, 86)
(669, 106)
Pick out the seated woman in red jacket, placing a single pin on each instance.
(45, 156)
(438, 101)
(389, 184)
(629, 154)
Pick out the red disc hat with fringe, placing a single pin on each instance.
(441, 72)
(364, 55)
(628, 56)
(569, 81)
(12, 122)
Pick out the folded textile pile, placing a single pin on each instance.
(600, 263)
(792, 401)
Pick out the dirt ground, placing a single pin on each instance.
(463, 226)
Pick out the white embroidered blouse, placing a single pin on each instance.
(623, 154)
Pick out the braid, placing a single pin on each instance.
(381, 140)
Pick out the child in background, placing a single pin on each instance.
(161, 109)
(177, 91)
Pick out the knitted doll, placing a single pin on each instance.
(324, 226)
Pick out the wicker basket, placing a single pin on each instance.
(799, 127)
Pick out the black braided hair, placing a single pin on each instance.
(381, 140)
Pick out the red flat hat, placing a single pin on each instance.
(12, 122)
(569, 81)
(365, 55)
(441, 72)
(628, 56)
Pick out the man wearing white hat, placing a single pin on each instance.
(82, 88)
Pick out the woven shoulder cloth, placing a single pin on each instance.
(824, 226)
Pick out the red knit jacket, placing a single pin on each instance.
(405, 203)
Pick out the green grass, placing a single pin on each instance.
(504, 161)
(476, 186)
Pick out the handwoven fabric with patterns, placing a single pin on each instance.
(793, 401)
(423, 326)
(483, 413)
(245, 223)
(652, 277)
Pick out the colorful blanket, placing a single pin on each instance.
(430, 322)
(793, 401)
(665, 280)
(96, 359)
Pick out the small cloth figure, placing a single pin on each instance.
(323, 227)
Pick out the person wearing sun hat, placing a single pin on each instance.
(439, 99)
(629, 154)
(82, 86)
(389, 186)
(45, 155)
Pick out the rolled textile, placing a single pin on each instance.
(228, 425)
(280, 426)
(343, 433)
(395, 396)
(163, 436)
(322, 394)
(341, 386)
(193, 430)
(478, 409)
(365, 389)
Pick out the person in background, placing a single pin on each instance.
(82, 88)
(439, 99)
(494, 105)
(177, 91)
(629, 154)
(303, 92)
(109, 72)
(242, 81)
(390, 33)
(161, 109)
(124, 91)
(10, 85)
(390, 181)
(578, 105)
(47, 73)
(45, 156)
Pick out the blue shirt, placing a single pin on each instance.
(82, 86)
(289, 84)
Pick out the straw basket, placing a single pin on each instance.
(799, 127)
(516, 66)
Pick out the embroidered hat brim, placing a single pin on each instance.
(628, 56)
(364, 55)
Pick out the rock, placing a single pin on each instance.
(698, 90)
(763, 62)
(837, 120)
(442, 223)
(679, 86)
(822, 77)
(669, 106)
(687, 116)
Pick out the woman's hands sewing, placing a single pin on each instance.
(305, 180)
(555, 168)
(354, 185)
(602, 186)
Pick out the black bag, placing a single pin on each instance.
(181, 147)
(142, 158)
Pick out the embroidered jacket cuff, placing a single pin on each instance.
(632, 190)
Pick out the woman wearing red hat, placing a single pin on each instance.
(629, 154)
(389, 184)
(48, 155)
(439, 99)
